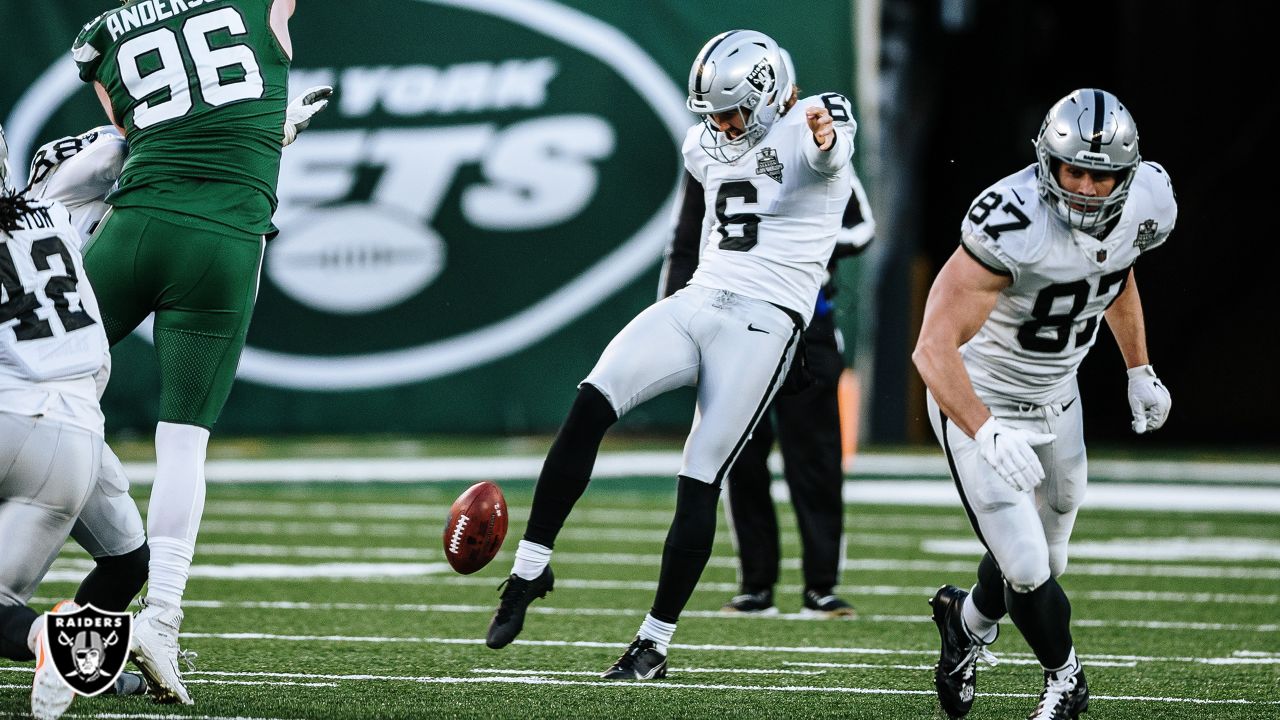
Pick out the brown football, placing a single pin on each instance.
(476, 526)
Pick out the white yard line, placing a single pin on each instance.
(706, 614)
(71, 569)
(666, 463)
(596, 673)
(658, 686)
(154, 716)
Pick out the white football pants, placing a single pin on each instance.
(735, 349)
(46, 472)
(1027, 532)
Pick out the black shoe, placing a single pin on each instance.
(1062, 698)
(130, 683)
(509, 618)
(641, 661)
(826, 604)
(956, 674)
(759, 602)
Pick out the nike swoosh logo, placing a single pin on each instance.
(753, 328)
(1069, 403)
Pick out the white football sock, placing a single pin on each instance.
(177, 497)
(657, 631)
(1071, 668)
(175, 508)
(978, 625)
(531, 559)
(170, 565)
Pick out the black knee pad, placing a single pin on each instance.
(115, 580)
(592, 406)
(694, 526)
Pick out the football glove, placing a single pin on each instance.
(1148, 399)
(1009, 451)
(304, 107)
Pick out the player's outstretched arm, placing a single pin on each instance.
(1149, 399)
(302, 108)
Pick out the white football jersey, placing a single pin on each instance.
(1063, 280)
(773, 214)
(78, 172)
(51, 337)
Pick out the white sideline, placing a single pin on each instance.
(1261, 491)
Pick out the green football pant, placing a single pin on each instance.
(201, 282)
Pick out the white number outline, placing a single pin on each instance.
(174, 74)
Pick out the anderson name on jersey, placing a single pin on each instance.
(1063, 280)
(773, 214)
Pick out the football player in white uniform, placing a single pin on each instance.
(51, 429)
(1044, 255)
(78, 172)
(775, 175)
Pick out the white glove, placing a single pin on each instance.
(1008, 450)
(1148, 399)
(304, 107)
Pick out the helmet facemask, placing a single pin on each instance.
(1091, 130)
(742, 71)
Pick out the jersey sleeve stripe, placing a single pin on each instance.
(989, 267)
(84, 53)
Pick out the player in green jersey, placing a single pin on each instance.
(198, 88)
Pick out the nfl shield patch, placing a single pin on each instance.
(89, 647)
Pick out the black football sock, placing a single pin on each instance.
(115, 580)
(988, 594)
(1044, 618)
(688, 547)
(15, 626)
(567, 469)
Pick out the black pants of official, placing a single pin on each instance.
(807, 427)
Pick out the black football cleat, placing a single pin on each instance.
(641, 661)
(956, 674)
(826, 604)
(759, 602)
(508, 620)
(1062, 698)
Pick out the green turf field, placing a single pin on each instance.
(333, 601)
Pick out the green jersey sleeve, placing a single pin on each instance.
(87, 49)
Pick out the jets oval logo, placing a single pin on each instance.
(459, 200)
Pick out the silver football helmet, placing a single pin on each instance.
(6, 176)
(1088, 129)
(743, 71)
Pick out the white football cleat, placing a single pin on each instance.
(50, 694)
(155, 651)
